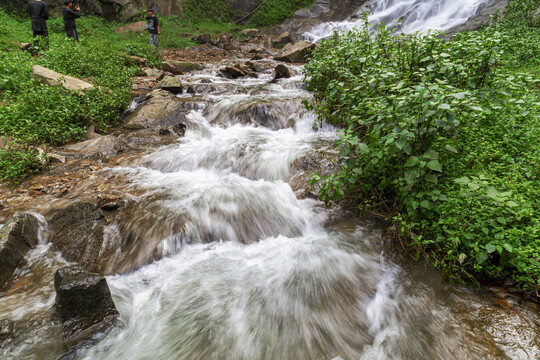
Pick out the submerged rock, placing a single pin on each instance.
(17, 237)
(84, 303)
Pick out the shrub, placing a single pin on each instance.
(273, 12)
(18, 161)
(436, 136)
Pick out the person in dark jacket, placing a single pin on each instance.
(39, 14)
(153, 27)
(70, 14)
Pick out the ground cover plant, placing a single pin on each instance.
(33, 114)
(442, 138)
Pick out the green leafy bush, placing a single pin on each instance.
(273, 12)
(18, 161)
(437, 136)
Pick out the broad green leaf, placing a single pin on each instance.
(412, 161)
(462, 180)
(411, 175)
(508, 247)
(432, 178)
(425, 204)
(491, 248)
(451, 148)
(434, 165)
(481, 258)
(362, 148)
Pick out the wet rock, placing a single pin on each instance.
(161, 109)
(282, 40)
(17, 237)
(280, 72)
(250, 32)
(56, 158)
(482, 18)
(170, 67)
(6, 331)
(84, 303)
(91, 149)
(296, 53)
(224, 39)
(256, 57)
(52, 78)
(203, 39)
(185, 67)
(153, 72)
(190, 90)
(231, 72)
(171, 84)
(77, 232)
(230, 47)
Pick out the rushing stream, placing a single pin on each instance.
(259, 271)
(415, 15)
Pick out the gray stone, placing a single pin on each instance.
(84, 303)
(138, 61)
(231, 72)
(281, 71)
(17, 237)
(96, 148)
(250, 32)
(282, 40)
(183, 67)
(203, 39)
(296, 53)
(53, 78)
(162, 109)
(171, 84)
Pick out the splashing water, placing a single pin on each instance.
(415, 15)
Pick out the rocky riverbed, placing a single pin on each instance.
(199, 212)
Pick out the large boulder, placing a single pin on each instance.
(171, 84)
(282, 40)
(17, 237)
(179, 67)
(296, 53)
(161, 110)
(54, 78)
(84, 303)
(233, 72)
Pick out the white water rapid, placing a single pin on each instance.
(415, 15)
(256, 270)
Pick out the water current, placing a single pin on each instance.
(260, 271)
(415, 15)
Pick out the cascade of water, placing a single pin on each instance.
(246, 269)
(415, 15)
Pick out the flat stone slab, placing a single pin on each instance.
(53, 78)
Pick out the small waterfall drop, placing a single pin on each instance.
(415, 15)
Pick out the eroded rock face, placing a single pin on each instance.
(53, 78)
(77, 231)
(17, 237)
(84, 303)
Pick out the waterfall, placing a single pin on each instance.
(415, 15)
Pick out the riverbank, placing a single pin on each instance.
(441, 138)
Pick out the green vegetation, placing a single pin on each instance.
(276, 11)
(441, 137)
(32, 114)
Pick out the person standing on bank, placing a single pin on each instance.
(153, 27)
(39, 14)
(69, 19)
